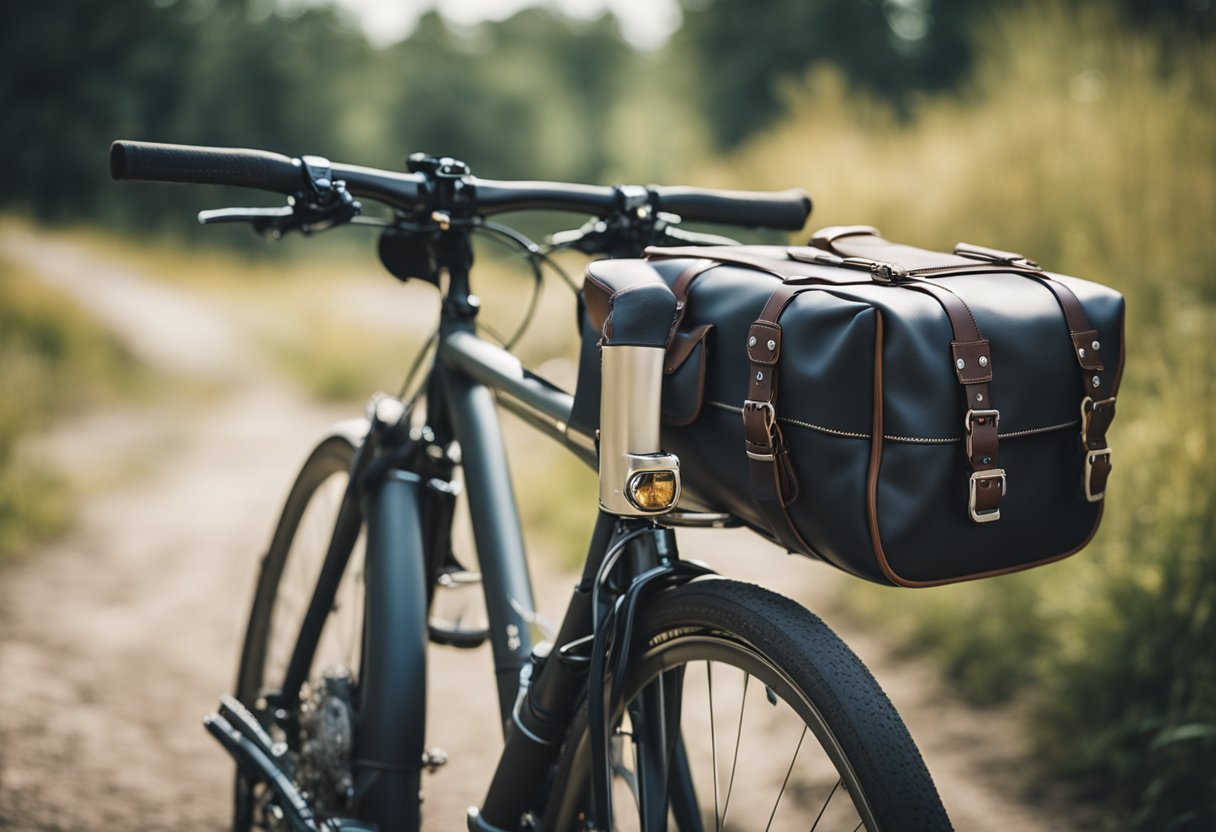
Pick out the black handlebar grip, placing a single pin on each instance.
(153, 162)
(785, 210)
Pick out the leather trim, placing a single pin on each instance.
(876, 438)
(597, 298)
(994, 573)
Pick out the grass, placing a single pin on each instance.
(54, 360)
(1088, 147)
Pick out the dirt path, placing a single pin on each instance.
(116, 639)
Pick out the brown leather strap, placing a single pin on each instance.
(773, 482)
(683, 285)
(972, 356)
(768, 265)
(970, 351)
(1097, 401)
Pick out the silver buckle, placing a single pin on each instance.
(1088, 406)
(995, 415)
(770, 419)
(994, 514)
(1090, 458)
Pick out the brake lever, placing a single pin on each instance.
(253, 215)
(588, 234)
(681, 236)
(325, 204)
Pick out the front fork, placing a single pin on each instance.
(628, 560)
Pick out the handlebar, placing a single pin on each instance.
(154, 162)
(263, 170)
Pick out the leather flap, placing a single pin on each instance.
(684, 376)
(682, 346)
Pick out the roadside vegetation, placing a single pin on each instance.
(55, 362)
(1089, 148)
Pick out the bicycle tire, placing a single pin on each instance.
(828, 689)
(296, 551)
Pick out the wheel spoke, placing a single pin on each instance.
(824, 807)
(730, 784)
(713, 743)
(786, 781)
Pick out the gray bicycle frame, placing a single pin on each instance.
(475, 373)
(470, 374)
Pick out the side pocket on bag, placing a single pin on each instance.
(684, 375)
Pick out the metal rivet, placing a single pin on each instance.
(772, 345)
(960, 363)
(983, 361)
(751, 342)
(979, 397)
(1096, 381)
(1081, 352)
(1095, 345)
(986, 460)
(760, 376)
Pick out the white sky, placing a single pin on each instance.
(645, 23)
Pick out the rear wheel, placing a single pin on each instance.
(318, 732)
(744, 711)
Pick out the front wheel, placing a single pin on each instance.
(741, 711)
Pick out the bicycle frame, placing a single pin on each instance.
(469, 378)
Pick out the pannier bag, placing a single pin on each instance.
(912, 417)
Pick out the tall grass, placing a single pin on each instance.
(54, 360)
(1088, 147)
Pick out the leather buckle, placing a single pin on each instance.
(1092, 457)
(1088, 408)
(770, 420)
(984, 476)
(994, 415)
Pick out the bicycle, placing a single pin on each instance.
(603, 725)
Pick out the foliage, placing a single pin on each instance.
(895, 49)
(1089, 147)
(531, 96)
(54, 359)
(535, 95)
